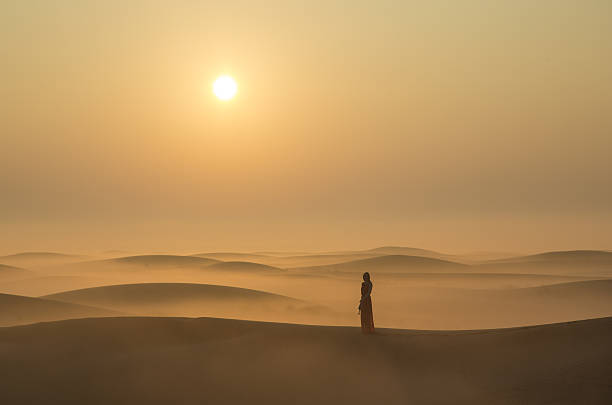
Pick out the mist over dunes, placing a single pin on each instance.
(17, 310)
(11, 272)
(243, 267)
(233, 256)
(578, 262)
(410, 292)
(182, 299)
(392, 263)
(38, 258)
(36, 285)
(461, 308)
(46, 256)
(160, 295)
(160, 261)
(582, 258)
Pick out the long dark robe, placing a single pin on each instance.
(367, 316)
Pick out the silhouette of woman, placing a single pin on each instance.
(365, 305)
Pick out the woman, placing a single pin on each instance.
(365, 305)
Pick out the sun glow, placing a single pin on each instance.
(225, 88)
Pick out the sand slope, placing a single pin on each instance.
(289, 261)
(135, 294)
(232, 256)
(194, 361)
(34, 258)
(593, 257)
(184, 299)
(392, 263)
(11, 272)
(407, 251)
(17, 310)
(239, 266)
(160, 261)
(579, 262)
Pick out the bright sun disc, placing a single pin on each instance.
(225, 88)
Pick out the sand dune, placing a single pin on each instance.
(243, 267)
(131, 265)
(193, 361)
(127, 294)
(290, 260)
(408, 251)
(391, 263)
(39, 257)
(11, 272)
(233, 256)
(568, 290)
(593, 257)
(318, 260)
(161, 261)
(184, 299)
(17, 310)
(303, 259)
(583, 262)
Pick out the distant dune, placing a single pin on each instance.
(243, 267)
(162, 261)
(40, 257)
(232, 256)
(318, 260)
(192, 361)
(392, 263)
(36, 286)
(17, 310)
(304, 259)
(575, 262)
(159, 293)
(592, 257)
(467, 280)
(184, 299)
(408, 251)
(584, 291)
(290, 260)
(11, 272)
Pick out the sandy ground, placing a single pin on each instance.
(204, 360)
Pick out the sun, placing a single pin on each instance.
(225, 88)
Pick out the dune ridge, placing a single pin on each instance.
(38, 255)
(139, 263)
(145, 292)
(562, 255)
(243, 266)
(391, 263)
(196, 300)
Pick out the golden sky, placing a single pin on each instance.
(452, 125)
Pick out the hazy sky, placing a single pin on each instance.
(453, 125)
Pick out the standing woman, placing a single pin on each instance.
(365, 305)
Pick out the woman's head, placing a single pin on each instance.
(366, 276)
